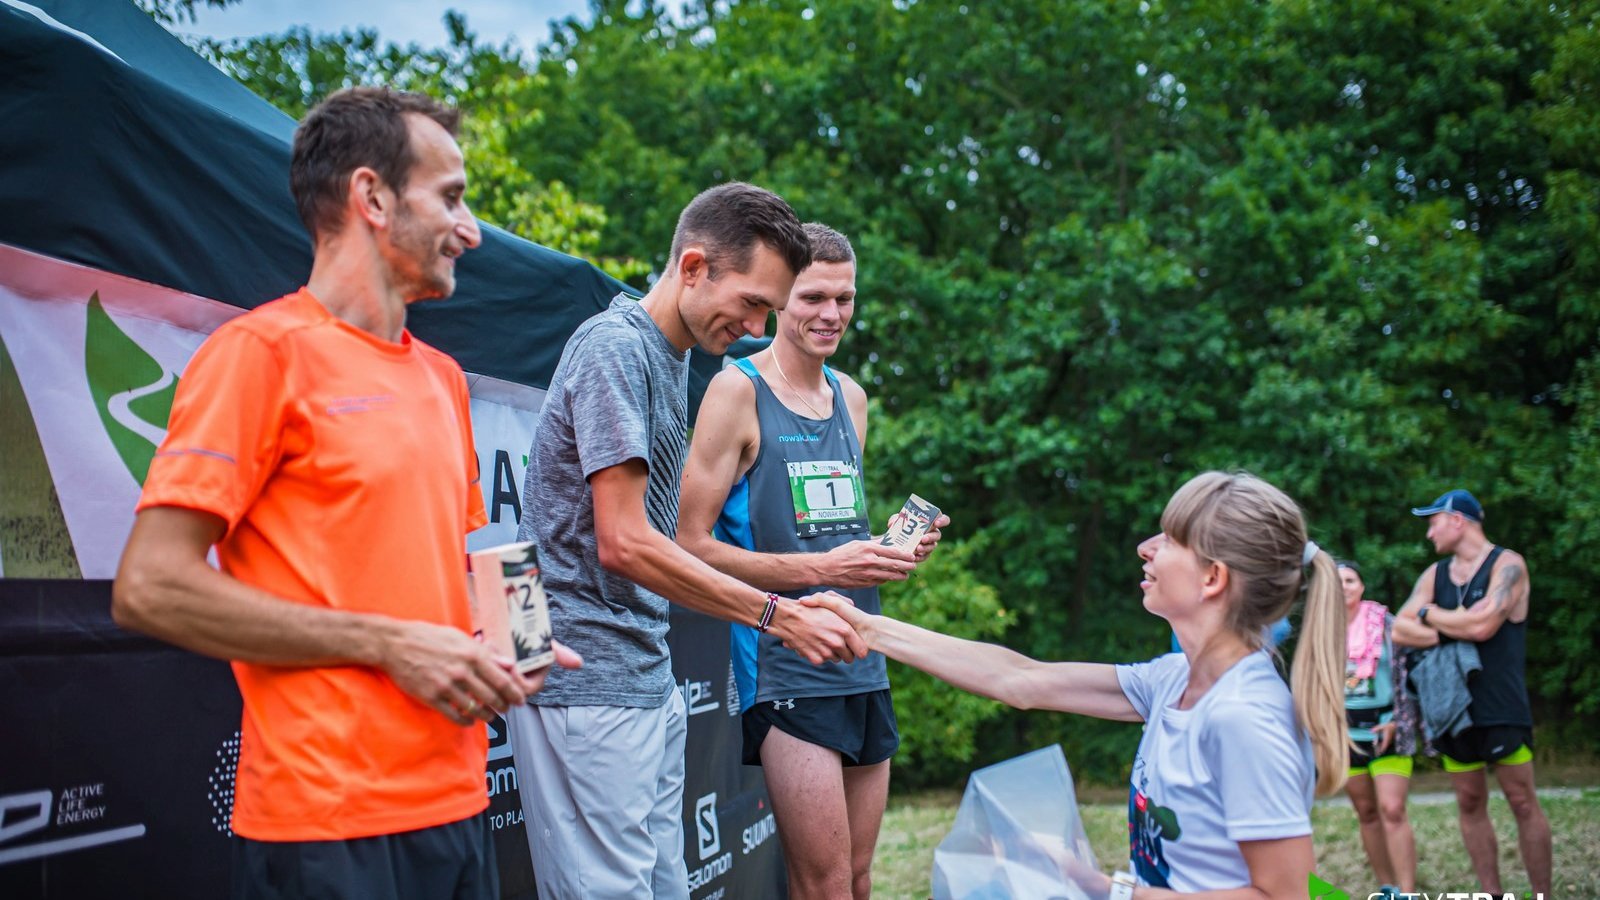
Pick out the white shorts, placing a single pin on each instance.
(602, 798)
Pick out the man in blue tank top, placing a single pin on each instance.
(773, 495)
(1479, 593)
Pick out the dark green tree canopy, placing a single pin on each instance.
(1353, 247)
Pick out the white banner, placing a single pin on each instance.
(89, 362)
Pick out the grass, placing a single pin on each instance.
(915, 824)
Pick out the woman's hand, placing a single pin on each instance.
(1382, 738)
(842, 607)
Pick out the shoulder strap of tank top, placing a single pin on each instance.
(764, 391)
(841, 409)
(1487, 569)
(765, 395)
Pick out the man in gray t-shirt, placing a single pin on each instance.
(601, 756)
(619, 394)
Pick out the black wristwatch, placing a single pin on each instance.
(1422, 614)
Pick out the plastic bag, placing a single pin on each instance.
(1018, 834)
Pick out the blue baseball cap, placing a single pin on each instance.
(1456, 501)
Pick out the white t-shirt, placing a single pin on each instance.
(1234, 767)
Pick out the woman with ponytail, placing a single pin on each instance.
(1220, 795)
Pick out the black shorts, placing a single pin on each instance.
(454, 861)
(861, 727)
(1488, 744)
(1361, 753)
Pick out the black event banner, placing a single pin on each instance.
(116, 778)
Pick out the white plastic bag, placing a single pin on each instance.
(1017, 835)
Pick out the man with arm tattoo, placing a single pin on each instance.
(1479, 593)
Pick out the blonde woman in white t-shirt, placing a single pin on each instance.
(1220, 795)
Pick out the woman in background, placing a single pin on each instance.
(1380, 761)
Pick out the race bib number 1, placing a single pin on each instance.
(827, 497)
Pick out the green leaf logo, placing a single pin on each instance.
(1317, 889)
(132, 391)
(1167, 821)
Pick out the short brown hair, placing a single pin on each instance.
(355, 127)
(728, 220)
(827, 245)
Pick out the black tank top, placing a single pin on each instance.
(1499, 692)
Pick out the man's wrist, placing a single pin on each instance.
(769, 611)
(821, 566)
(781, 622)
(375, 639)
(1422, 614)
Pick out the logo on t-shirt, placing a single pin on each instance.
(341, 406)
(1356, 686)
(1149, 824)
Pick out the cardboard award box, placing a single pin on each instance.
(509, 611)
(907, 526)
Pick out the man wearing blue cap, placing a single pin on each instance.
(1479, 593)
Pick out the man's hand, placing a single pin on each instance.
(456, 675)
(816, 633)
(533, 683)
(860, 564)
(931, 539)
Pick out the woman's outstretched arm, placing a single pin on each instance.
(989, 670)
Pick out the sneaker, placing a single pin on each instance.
(1390, 892)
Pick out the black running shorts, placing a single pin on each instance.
(861, 727)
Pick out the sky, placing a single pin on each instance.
(400, 21)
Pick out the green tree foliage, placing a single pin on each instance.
(493, 86)
(1352, 246)
(940, 746)
(178, 12)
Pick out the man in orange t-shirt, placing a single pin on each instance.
(327, 454)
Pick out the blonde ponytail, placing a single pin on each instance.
(1317, 676)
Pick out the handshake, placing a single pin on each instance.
(827, 626)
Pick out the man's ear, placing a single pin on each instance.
(370, 197)
(693, 267)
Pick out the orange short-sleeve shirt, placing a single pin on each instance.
(344, 467)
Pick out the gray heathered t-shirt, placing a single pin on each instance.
(620, 392)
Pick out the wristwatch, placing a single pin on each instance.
(1422, 614)
(1122, 886)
